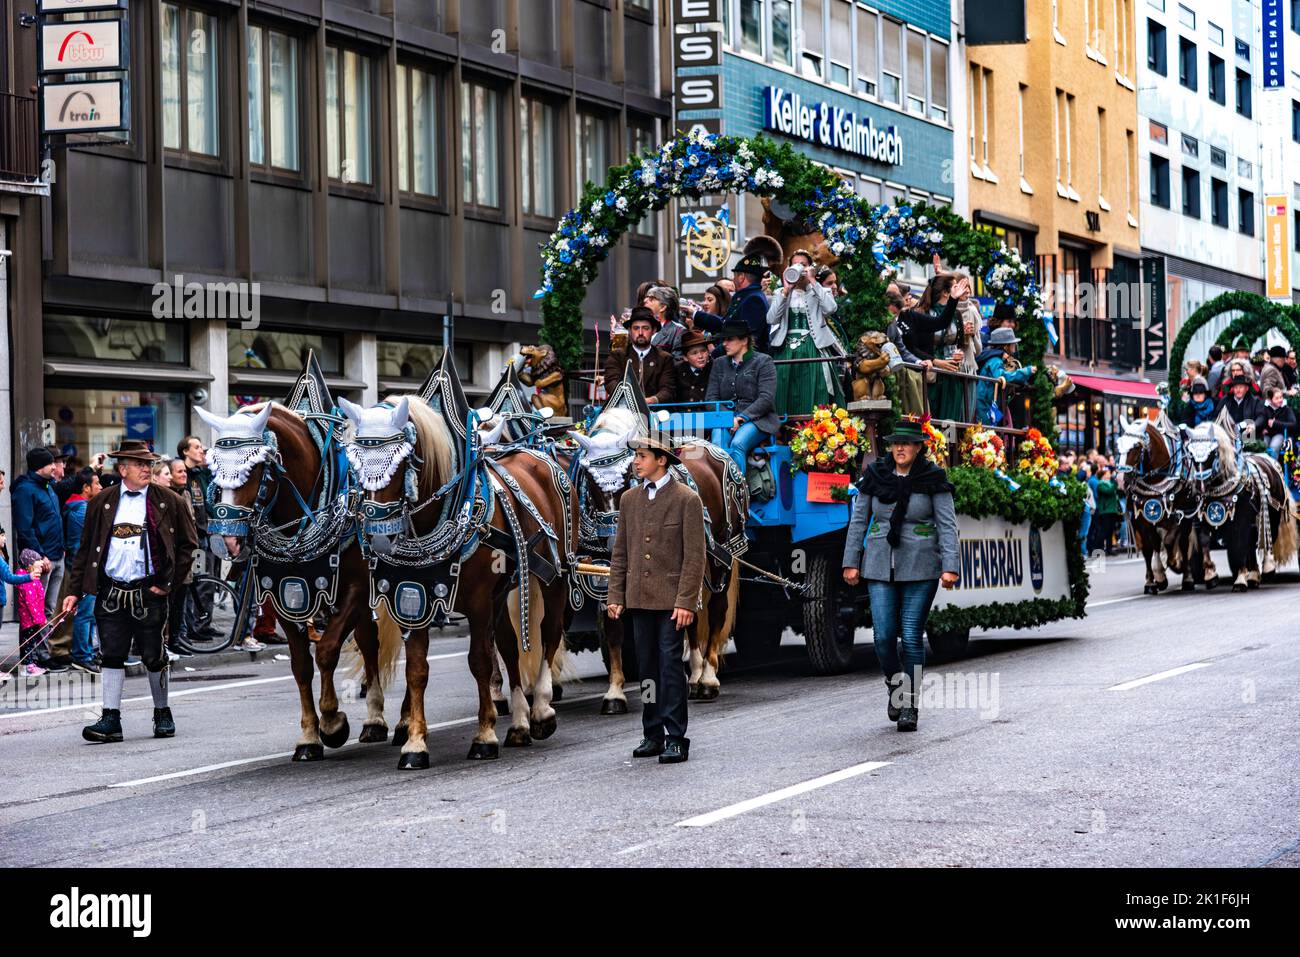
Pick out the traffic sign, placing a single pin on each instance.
(141, 422)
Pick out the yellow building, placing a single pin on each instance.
(1052, 150)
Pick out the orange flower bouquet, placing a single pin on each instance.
(1036, 457)
(829, 442)
(983, 448)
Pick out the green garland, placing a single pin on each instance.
(979, 493)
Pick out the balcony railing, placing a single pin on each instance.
(19, 149)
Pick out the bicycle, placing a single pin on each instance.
(212, 608)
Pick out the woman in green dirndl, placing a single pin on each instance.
(954, 349)
(799, 327)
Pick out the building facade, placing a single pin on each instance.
(887, 64)
(1051, 156)
(373, 166)
(1214, 144)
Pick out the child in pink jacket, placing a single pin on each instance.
(31, 611)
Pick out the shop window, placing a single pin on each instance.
(114, 340)
(282, 351)
(90, 420)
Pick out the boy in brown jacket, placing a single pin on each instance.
(656, 573)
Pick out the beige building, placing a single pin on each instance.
(1053, 170)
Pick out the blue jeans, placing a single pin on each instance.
(1084, 525)
(899, 610)
(743, 441)
(83, 648)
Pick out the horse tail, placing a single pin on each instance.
(390, 646)
(530, 661)
(733, 600)
(1284, 547)
(563, 670)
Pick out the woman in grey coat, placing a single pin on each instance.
(746, 378)
(902, 540)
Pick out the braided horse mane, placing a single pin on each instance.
(435, 442)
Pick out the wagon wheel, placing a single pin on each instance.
(829, 620)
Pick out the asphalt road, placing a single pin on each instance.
(1061, 755)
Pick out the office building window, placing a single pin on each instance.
(273, 136)
(891, 61)
(938, 80)
(1187, 63)
(480, 144)
(1218, 92)
(1295, 28)
(1244, 168)
(1156, 48)
(1246, 212)
(538, 145)
(916, 71)
(1219, 202)
(1295, 121)
(1064, 137)
(417, 130)
(1218, 157)
(1159, 181)
(1295, 229)
(1094, 29)
(1020, 130)
(593, 148)
(641, 139)
(1191, 193)
(868, 61)
(1216, 33)
(1243, 93)
(1123, 40)
(751, 26)
(986, 91)
(1242, 48)
(1186, 17)
(1130, 181)
(191, 93)
(840, 34)
(348, 112)
(814, 39)
(1101, 158)
(783, 32)
(1191, 145)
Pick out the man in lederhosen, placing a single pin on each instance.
(656, 572)
(136, 546)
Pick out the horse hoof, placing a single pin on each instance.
(1161, 586)
(517, 738)
(1211, 584)
(399, 736)
(309, 752)
(1150, 590)
(557, 692)
(483, 752)
(413, 761)
(694, 693)
(336, 739)
(1236, 587)
(1252, 584)
(613, 706)
(709, 692)
(1189, 586)
(541, 730)
(373, 734)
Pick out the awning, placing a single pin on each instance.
(1126, 388)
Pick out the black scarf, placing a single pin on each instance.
(882, 482)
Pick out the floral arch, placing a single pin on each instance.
(869, 240)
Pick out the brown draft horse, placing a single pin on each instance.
(1146, 472)
(299, 462)
(605, 486)
(485, 595)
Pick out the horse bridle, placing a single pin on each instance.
(226, 518)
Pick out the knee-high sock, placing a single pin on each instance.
(158, 687)
(114, 678)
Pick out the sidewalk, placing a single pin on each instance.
(9, 652)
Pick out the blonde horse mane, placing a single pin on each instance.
(618, 421)
(434, 437)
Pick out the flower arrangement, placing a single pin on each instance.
(1036, 456)
(936, 446)
(983, 448)
(830, 442)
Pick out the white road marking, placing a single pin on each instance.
(1114, 601)
(731, 810)
(1159, 676)
(184, 692)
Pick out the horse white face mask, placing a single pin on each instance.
(1135, 434)
(238, 444)
(383, 438)
(606, 457)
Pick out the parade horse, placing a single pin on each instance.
(450, 529)
(1241, 495)
(604, 470)
(1161, 505)
(266, 468)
